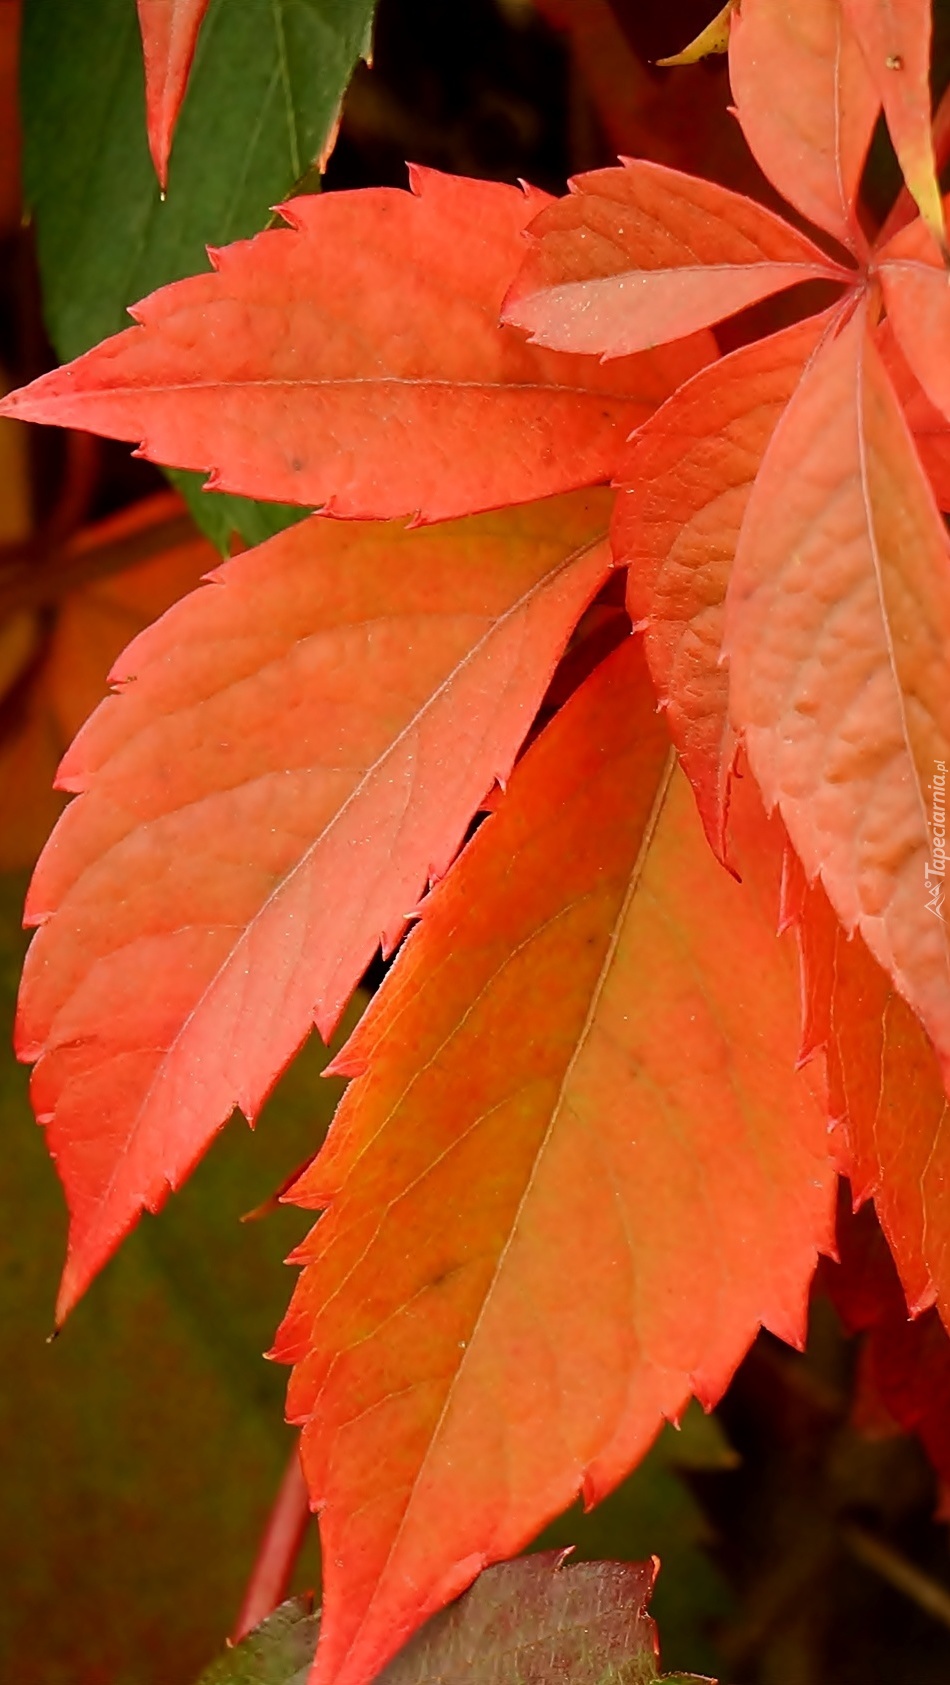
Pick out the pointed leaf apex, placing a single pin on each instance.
(713, 39)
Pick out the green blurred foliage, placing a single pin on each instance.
(140, 1452)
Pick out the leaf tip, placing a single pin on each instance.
(711, 40)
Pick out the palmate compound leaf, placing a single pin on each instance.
(807, 103)
(838, 624)
(355, 361)
(684, 486)
(169, 37)
(294, 750)
(638, 255)
(575, 1089)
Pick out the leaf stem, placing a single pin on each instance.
(278, 1551)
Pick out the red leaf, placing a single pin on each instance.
(640, 255)
(917, 294)
(837, 629)
(684, 487)
(807, 104)
(169, 37)
(356, 361)
(905, 1365)
(303, 744)
(887, 1097)
(557, 1104)
(895, 36)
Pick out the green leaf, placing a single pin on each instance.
(278, 1652)
(220, 515)
(264, 92)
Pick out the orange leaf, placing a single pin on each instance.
(169, 37)
(886, 1098)
(355, 361)
(838, 623)
(930, 428)
(684, 487)
(294, 750)
(640, 255)
(807, 104)
(557, 1104)
(895, 37)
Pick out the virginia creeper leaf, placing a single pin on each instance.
(895, 36)
(838, 622)
(264, 91)
(807, 104)
(556, 1103)
(930, 428)
(522, 1623)
(355, 361)
(267, 80)
(684, 487)
(169, 37)
(903, 209)
(917, 295)
(886, 1098)
(295, 749)
(534, 1620)
(638, 255)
